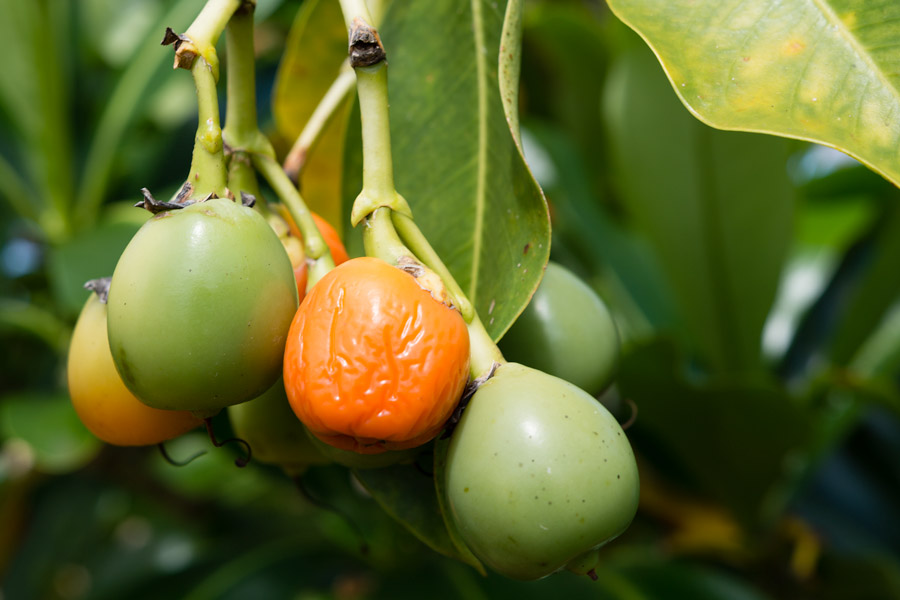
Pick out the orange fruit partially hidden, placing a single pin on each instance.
(373, 362)
(103, 403)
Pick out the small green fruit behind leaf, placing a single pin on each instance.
(566, 331)
(272, 429)
(199, 307)
(538, 473)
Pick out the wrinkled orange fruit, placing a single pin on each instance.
(373, 362)
(103, 403)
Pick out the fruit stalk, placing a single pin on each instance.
(204, 32)
(368, 59)
(314, 244)
(208, 173)
(328, 106)
(241, 131)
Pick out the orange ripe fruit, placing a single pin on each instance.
(103, 403)
(331, 237)
(373, 362)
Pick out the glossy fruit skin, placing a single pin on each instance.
(567, 331)
(274, 433)
(102, 401)
(373, 362)
(538, 473)
(199, 307)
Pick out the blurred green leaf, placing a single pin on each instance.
(408, 495)
(602, 245)
(52, 430)
(821, 71)
(455, 159)
(559, 39)
(732, 437)
(717, 207)
(877, 290)
(91, 254)
(859, 577)
(680, 579)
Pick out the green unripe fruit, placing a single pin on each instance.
(273, 431)
(566, 331)
(199, 308)
(538, 474)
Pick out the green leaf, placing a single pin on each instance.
(716, 206)
(731, 437)
(510, 65)
(315, 50)
(408, 495)
(455, 159)
(634, 282)
(680, 579)
(823, 71)
(91, 254)
(877, 290)
(51, 429)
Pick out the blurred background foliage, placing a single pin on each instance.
(753, 279)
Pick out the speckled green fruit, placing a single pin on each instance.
(538, 473)
(199, 308)
(274, 432)
(566, 330)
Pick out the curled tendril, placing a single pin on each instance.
(634, 414)
(241, 461)
(304, 491)
(176, 463)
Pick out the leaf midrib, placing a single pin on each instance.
(480, 191)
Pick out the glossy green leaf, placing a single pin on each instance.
(823, 71)
(316, 49)
(408, 495)
(510, 64)
(717, 206)
(455, 160)
(52, 431)
(732, 439)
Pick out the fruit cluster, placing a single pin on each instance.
(219, 304)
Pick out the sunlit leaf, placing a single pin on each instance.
(455, 159)
(824, 71)
(316, 48)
